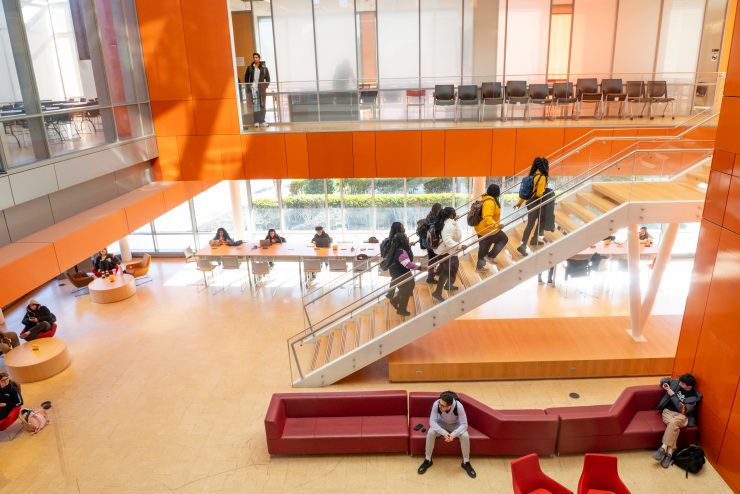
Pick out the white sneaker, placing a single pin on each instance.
(265, 124)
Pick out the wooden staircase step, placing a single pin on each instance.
(336, 344)
(365, 329)
(580, 211)
(564, 221)
(350, 336)
(422, 297)
(596, 201)
(466, 273)
(553, 236)
(380, 323)
(321, 347)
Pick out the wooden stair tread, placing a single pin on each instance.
(365, 329)
(579, 210)
(336, 344)
(466, 273)
(597, 201)
(321, 346)
(380, 324)
(350, 336)
(647, 191)
(422, 297)
(564, 221)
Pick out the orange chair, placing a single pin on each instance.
(600, 476)
(528, 478)
(140, 268)
(80, 280)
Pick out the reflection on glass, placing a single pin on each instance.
(265, 212)
(335, 43)
(303, 203)
(147, 127)
(213, 209)
(441, 42)
(68, 132)
(265, 45)
(22, 145)
(367, 44)
(11, 100)
(115, 46)
(128, 124)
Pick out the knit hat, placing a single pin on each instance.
(33, 301)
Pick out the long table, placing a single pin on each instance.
(616, 250)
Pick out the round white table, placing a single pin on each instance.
(103, 291)
(26, 365)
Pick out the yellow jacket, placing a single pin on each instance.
(491, 216)
(539, 187)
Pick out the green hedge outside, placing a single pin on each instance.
(360, 200)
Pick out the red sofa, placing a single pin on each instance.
(337, 423)
(632, 422)
(492, 432)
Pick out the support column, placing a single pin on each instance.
(664, 255)
(2, 317)
(236, 209)
(633, 263)
(125, 249)
(479, 187)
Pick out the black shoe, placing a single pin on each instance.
(522, 249)
(431, 281)
(469, 469)
(438, 297)
(418, 427)
(481, 265)
(424, 466)
(451, 288)
(536, 242)
(403, 313)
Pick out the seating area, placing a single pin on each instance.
(386, 421)
(599, 476)
(559, 100)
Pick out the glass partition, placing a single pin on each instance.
(398, 43)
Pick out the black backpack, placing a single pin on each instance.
(433, 237)
(422, 227)
(690, 458)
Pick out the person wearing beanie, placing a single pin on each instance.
(488, 229)
(38, 319)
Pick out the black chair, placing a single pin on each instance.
(467, 95)
(369, 99)
(635, 91)
(657, 92)
(491, 94)
(516, 94)
(562, 94)
(587, 91)
(577, 268)
(539, 94)
(612, 90)
(444, 95)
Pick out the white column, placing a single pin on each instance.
(479, 187)
(664, 255)
(633, 263)
(236, 209)
(2, 317)
(125, 249)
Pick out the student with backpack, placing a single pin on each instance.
(531, 191)
(489, 223)
(385, 245)
(400, 263)
(445, 237)
(678, 407)
(448, 420)
(10, 395)
(422, 230)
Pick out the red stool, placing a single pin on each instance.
(47, 334)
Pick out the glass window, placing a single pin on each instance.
(115, 47)
(635, 54)
(483, 41)
(262, 18)
(358, 204)
(147, 128)
(142, 239)
(303, 203)
(389, 203)
(265, 209)
(176, 220)
(680, 34)
(557, 61)
(213, 209)
(58, 43)
(11, 99)
(398, 43)
(81, 129)
(527, 33)
(335, 43)
(169, 242)
(367, 43)
(21, 144)
(134, 44)
(293, 27)
(128, 124)
(441, 42)
(593, 38)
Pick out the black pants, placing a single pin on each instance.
(403, 286)
(259, 116)
(550, 275)
(533, 219)
(33, 331)
(447, 272)
(430, 274)
(498, 240)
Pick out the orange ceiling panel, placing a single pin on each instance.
(173, 118)
(732, 211)
(722, 161)
(23, 267)
(729, 126)
(145, 210)
(167, 165)
(232, 157)
(534, 142)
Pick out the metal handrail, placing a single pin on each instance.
(508, 220)
(373, 262)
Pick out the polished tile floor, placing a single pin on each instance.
(167, 392)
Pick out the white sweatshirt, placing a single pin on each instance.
(451, 237)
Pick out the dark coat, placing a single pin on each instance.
(264, 79)
(689, 404)
(42, 314)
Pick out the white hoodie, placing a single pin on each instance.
(451, 237)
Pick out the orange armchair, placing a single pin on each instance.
(80, 280)
(140, 268)
(528, 477)
(600, 475)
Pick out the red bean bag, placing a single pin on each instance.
(8, 421)
(47, 334)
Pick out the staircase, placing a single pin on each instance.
(587, 210)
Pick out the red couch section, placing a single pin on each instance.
(632, 422)
(492, 432)
(337, 423)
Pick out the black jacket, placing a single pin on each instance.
(42, 314)
(11, 396)
(277, 240)
(106, 263)
(689, 404)
(323, 235)
(264, 79)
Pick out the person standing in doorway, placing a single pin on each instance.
(257, 78)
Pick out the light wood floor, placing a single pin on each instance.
(167, 393)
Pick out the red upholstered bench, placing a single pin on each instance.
(492, 432)
(632, 422)
(337, 423)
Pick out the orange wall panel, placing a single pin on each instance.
(173, 118)
(503, 152)
(730, 452)
(716, 199)
(330, 155)
(95, 234)
(296, 154)
(23, 267)
(398, 153)
(736, 167)
(200, 157)
(216, 116)
(732, 82)
(363, 154)
(144, 211)
(468, 153)
(209, 52)
(264, 156)
(732, 211)
(232, 158)
(531, 143)
(167, 165)
(163, 46)
(696, 301)
(433, 153)
(729, 126)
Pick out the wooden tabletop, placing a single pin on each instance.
(291, 251)
(617, 250)
(102, 291)
(27, 365)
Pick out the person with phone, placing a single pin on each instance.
(678, 408)
(38, 319)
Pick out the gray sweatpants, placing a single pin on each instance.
(464, 441)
